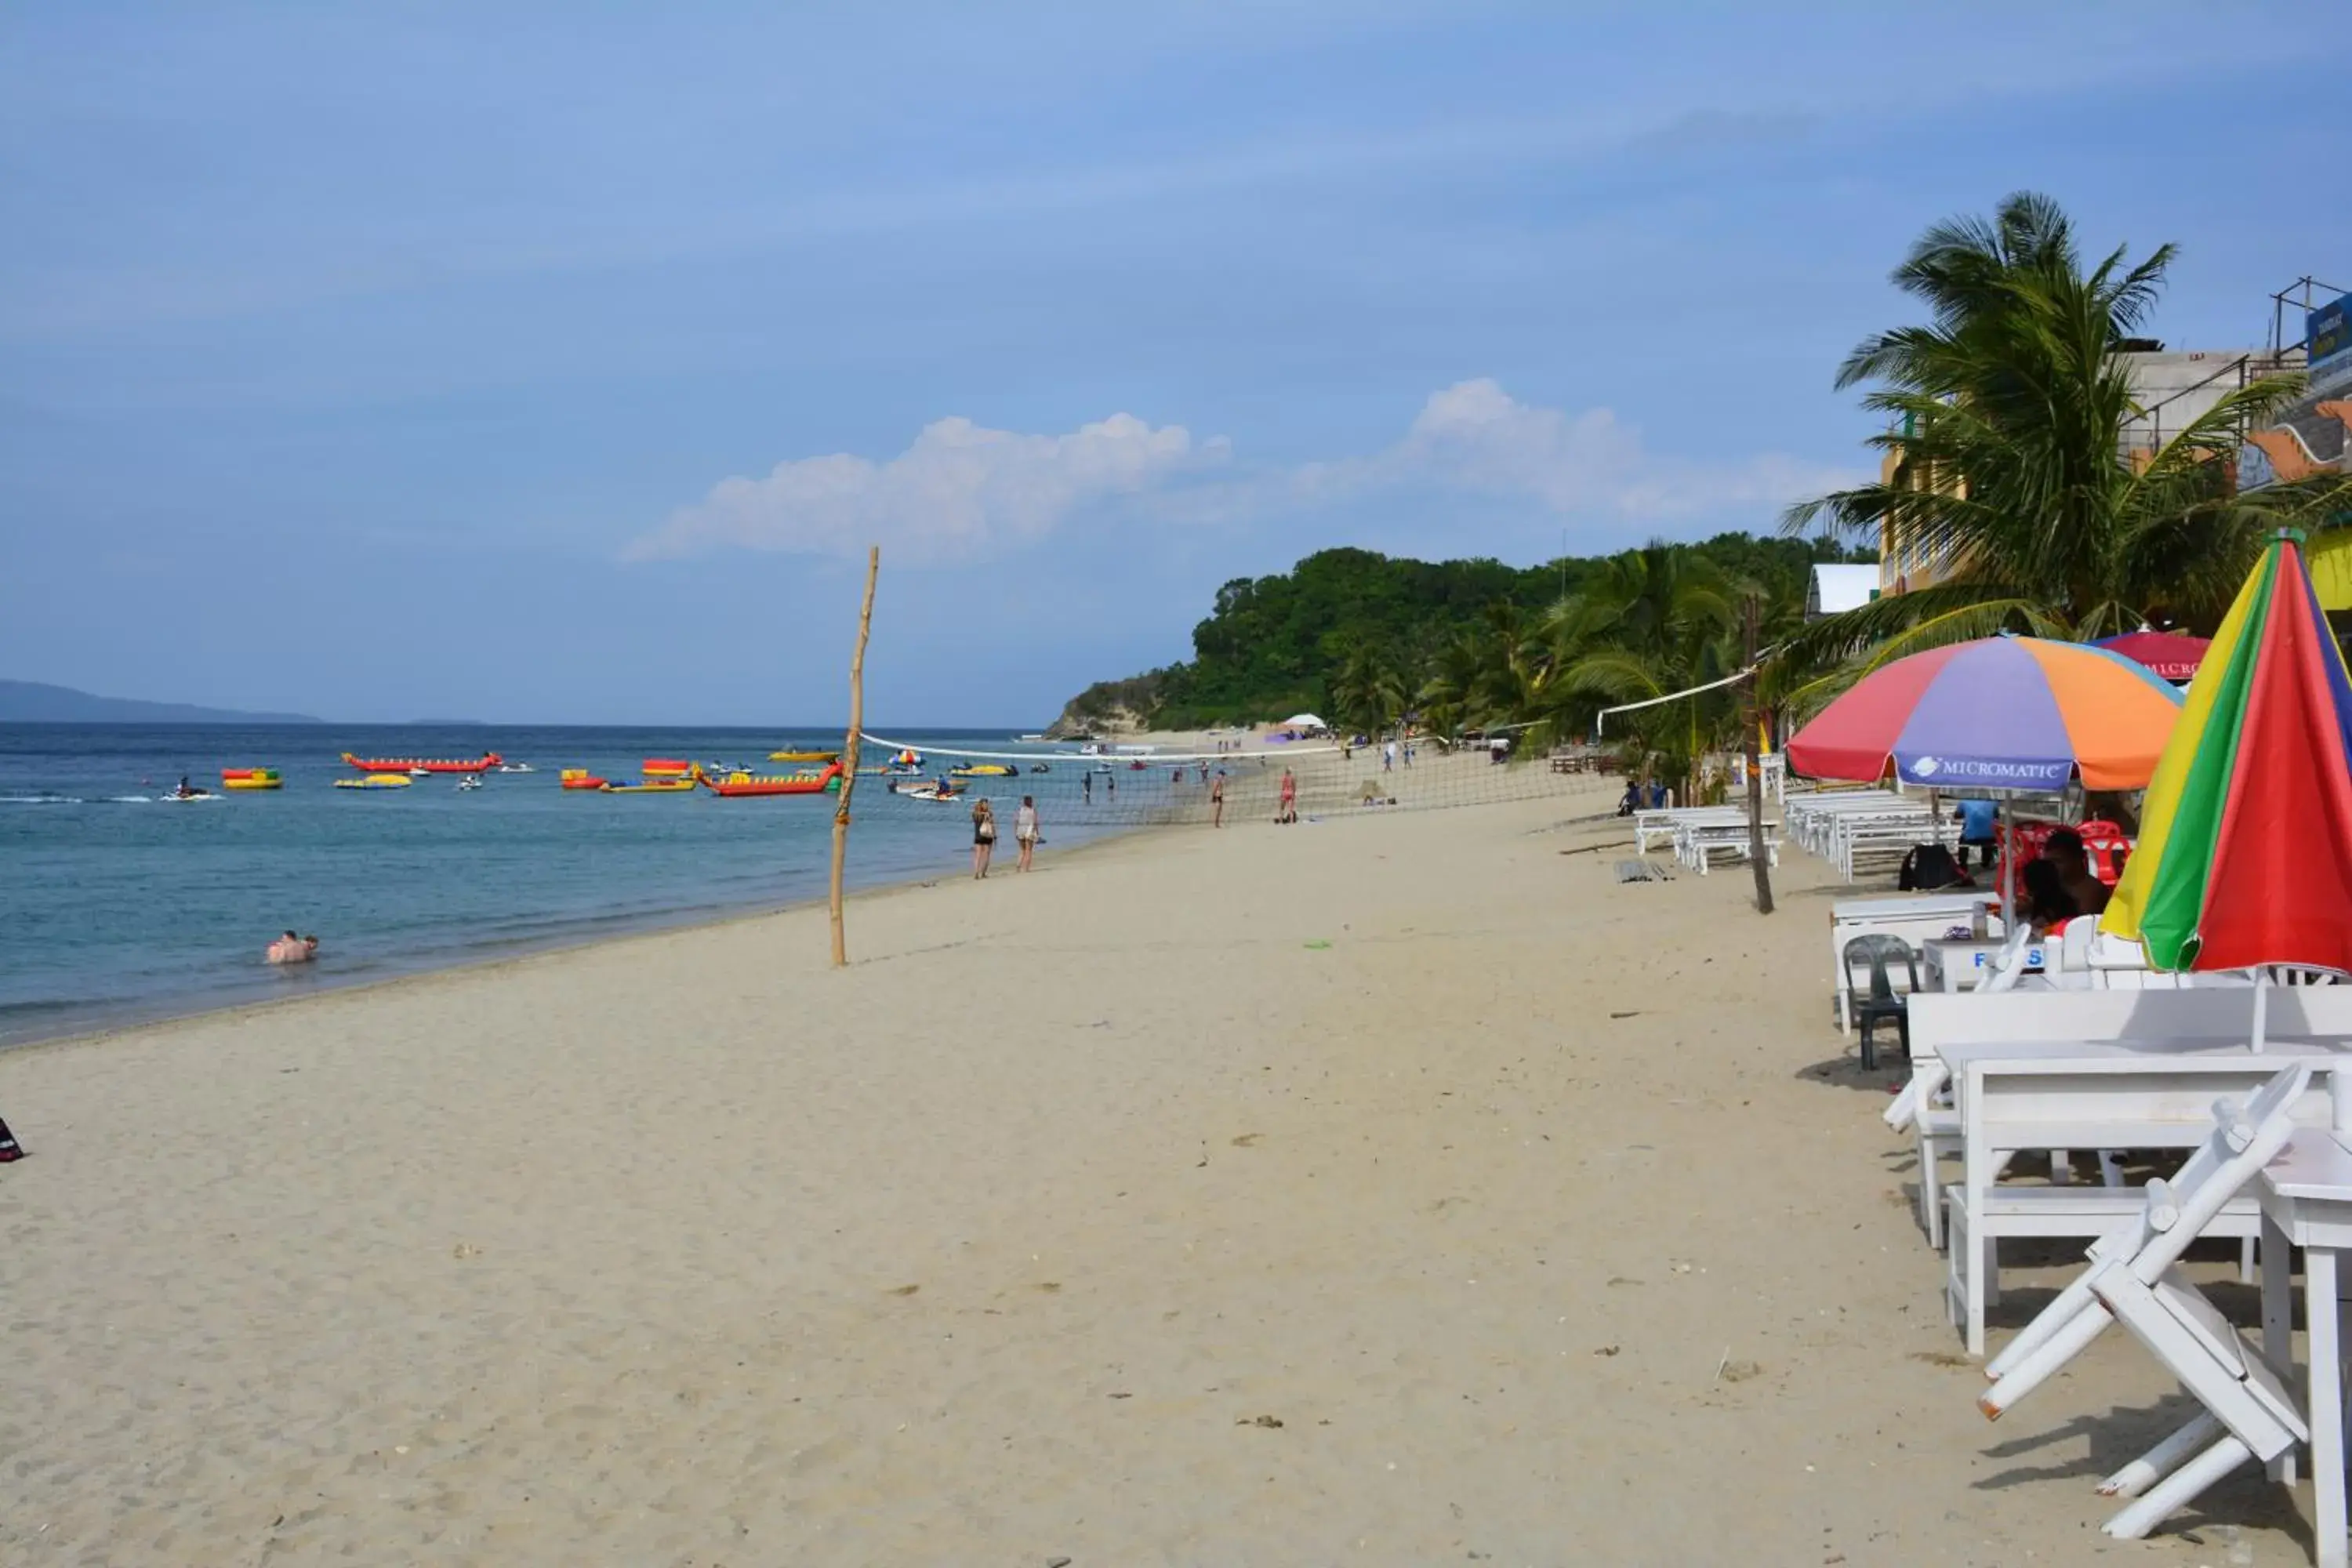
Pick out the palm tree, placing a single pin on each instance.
(1647, 624)
(1370, 690)
(2009, 415)
(1450, 700)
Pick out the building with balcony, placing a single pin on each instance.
(2314, 436)
(2172, 387)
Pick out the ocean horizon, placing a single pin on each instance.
(119, 906)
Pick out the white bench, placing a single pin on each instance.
(2187, 1020)
(1880, 844)
(1814, 815)
(1697, 843)
(2012, 1098)
(1667, 822)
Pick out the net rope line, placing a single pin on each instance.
(1600, 720)
(1111, 790)
(1146, 757)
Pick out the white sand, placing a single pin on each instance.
(996, 1248)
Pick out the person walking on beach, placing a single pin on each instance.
(983, 836)
(1024, 830)
(1387, 756)
(1217, 800)
(1086, 785)
(1289, 810)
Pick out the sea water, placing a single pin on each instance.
(116, 905)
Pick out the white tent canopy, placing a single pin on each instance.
(1304, 722)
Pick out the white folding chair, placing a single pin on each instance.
(2134, 1279)
(2008, 966)
(2074, 969)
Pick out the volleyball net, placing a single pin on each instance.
(1138, 786)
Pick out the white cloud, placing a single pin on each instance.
(960, 491)
(1474, 436)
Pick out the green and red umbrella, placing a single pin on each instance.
(2245, 843)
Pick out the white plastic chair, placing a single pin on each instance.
(2133, 1279)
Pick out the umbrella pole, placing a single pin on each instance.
(2005, 845)
(2262, 1004)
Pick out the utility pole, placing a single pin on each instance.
(1751, 711)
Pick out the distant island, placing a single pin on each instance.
(31, 702)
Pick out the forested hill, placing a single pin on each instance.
(1273, 646)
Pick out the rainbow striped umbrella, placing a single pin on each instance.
(2245, 844)
(2000, 713)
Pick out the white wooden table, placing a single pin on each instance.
(2013, 1097)
(1957, 963)
(2306, 1201)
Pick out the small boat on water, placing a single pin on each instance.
(982, 770)
(581, 778)
(804, 756)
(251, 778)
(927, 792)
(652, 786)
(471, 781)
(668, 768)
(739, 783)
(480, 764)
(376, 781)
(517, 768)
(182, 796)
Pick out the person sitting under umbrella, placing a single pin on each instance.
(2045, 901)
(2064, 849)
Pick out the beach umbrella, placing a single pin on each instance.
(1304, 722)
(2007, 713)
(2169, 654)
(2246, 844)
(2000, 713)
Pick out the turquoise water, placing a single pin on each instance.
(115, 906)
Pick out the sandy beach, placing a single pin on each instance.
(1395, 1190)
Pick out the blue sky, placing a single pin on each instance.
(556, 363)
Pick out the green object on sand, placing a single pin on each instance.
(1318, 943)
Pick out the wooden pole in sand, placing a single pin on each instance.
(1751, 709)
(849, 751)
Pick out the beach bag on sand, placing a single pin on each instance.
(1930, 867)
(10, 1148)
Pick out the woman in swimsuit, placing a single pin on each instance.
(983, 836)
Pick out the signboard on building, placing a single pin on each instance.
(2254, 470)
(2327, 342)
